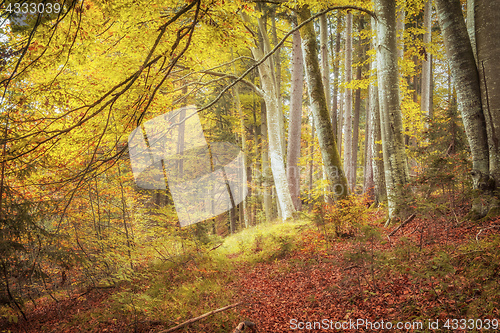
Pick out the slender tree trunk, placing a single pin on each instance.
(487, 20)
(327, 143)
(355, 131)
(426, 85)
(471, 25)
(400, 28)
(266, 170)
(311, 163)
(277, 67)
(243, 138)
(395, 165)
(377, 161)
(274, 126)
(348, 153)
(325, 76)
(368, 185)
(336, 57)
(243, 208)
(295, 120)
(325, 66)
(340, 124)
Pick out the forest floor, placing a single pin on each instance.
(428, 272)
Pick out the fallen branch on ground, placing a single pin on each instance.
(192, 320)
(488, 228)
(408, 220)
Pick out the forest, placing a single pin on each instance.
(249, 165)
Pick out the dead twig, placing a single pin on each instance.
(192, 320)
(483, 229)
(408, 220)
(215, 247)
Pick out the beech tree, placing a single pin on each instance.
(472, 56)
(348, 152)
(426, 93)
(274, 124)
(328, 145)
(466, 79)
(395, 162)
(295, 119)
(487, 35)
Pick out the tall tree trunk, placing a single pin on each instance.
(400, 28)
(355, 131)
(340, 123)
(380, 193)
(277, 67)
(266, 170)
(274, 126)
(243, 209)
(325, 66)
(311, 163)
(368, 184)
(395, 165)
(327, 143)
(466, 80)
(293, 153)
(357, 104)
(348, 102)
(325, 76)
(471, 25)
(426, 85)
(487, 20)
(334, 109)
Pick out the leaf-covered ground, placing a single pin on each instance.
(433, 270)
(350, 282)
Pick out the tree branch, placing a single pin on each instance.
(192, 320)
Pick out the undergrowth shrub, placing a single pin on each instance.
(343, 218)
(456, 282)
(174, 291)
(265, 242)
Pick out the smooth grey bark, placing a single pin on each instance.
(377, 160)
(296, 92)
(277, 67)
(274, 126)
(400, 27)
(266, 170)
(355, 132)
(311, 162)
(380, 190)
(357, 107)
(325, 67)
(471, 25)
(340, 123)
(335, 109)
(325, 75)
(244, 208)
(466, 80)
(327, 143)
(395, 161)
(348, 102)
(487, 31)
(426, 84)
(368, 184)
